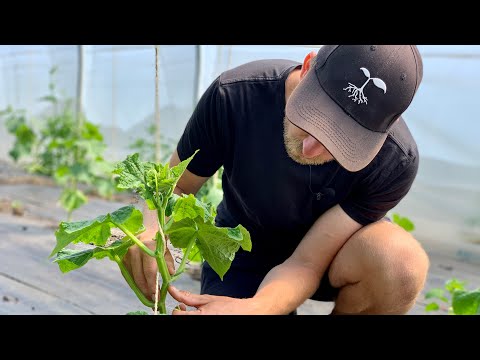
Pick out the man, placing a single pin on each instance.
(314, 156)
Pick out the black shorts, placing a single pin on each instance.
(240, 282)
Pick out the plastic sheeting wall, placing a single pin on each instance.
(119, 87)
(444, 202)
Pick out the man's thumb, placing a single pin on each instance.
(187, 297)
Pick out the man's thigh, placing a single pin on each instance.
(327, 292)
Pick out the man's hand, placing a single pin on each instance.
(211, 304)
(143, 267)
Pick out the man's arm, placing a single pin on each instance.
(289, 284)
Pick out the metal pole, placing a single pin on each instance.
(80, 75)
(198, 73)
(114, 97)
(229, 62)
(157, 105)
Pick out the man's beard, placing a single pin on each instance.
(294, 149)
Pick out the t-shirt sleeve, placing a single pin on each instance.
(373, 198)
(204, 131)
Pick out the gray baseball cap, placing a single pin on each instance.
(352, 96)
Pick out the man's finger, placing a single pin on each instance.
(150, 273)
(183, 312)
(181, 306)
(126, 261)
(188, 298)
(138, 275)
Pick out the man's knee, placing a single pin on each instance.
(386, 259)
(407, 274)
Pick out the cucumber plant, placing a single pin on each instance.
(456, 298)
(58, 146)
(188, 222)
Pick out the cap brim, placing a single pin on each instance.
(311, 109)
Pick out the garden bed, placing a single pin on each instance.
(31, 284)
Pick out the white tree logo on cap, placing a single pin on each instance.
(357, 93)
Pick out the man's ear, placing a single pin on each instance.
(306, 63)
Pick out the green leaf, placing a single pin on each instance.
(132, 173)
(14, 120)
(91, 131)
(179, 169)
(235, 233)
(147, 178)
(69, 259)
(246, 241)
(97, 231)
(72, 199)
(25, 140)
(404, 222)
(159, 177)
(181, 232)
(218, 245)
(130, 217)
(61, 171)
(151, 178)
(432, 307)
(466, 302)
(185, 207)
(436, 294)
(171, 204)
(139, 312)
(454, 284)
(195, 256)
(189, 206)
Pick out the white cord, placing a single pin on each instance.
(156, 295)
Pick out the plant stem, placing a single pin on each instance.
(161, 224)
(131, 282)
(163, 269)
(162, 264)
(163, 296)
(140, 244)
(181, 268)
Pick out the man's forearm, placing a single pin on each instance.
(285, 288)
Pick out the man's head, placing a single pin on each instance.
(348, 98)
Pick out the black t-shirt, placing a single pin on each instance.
(238, 123)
